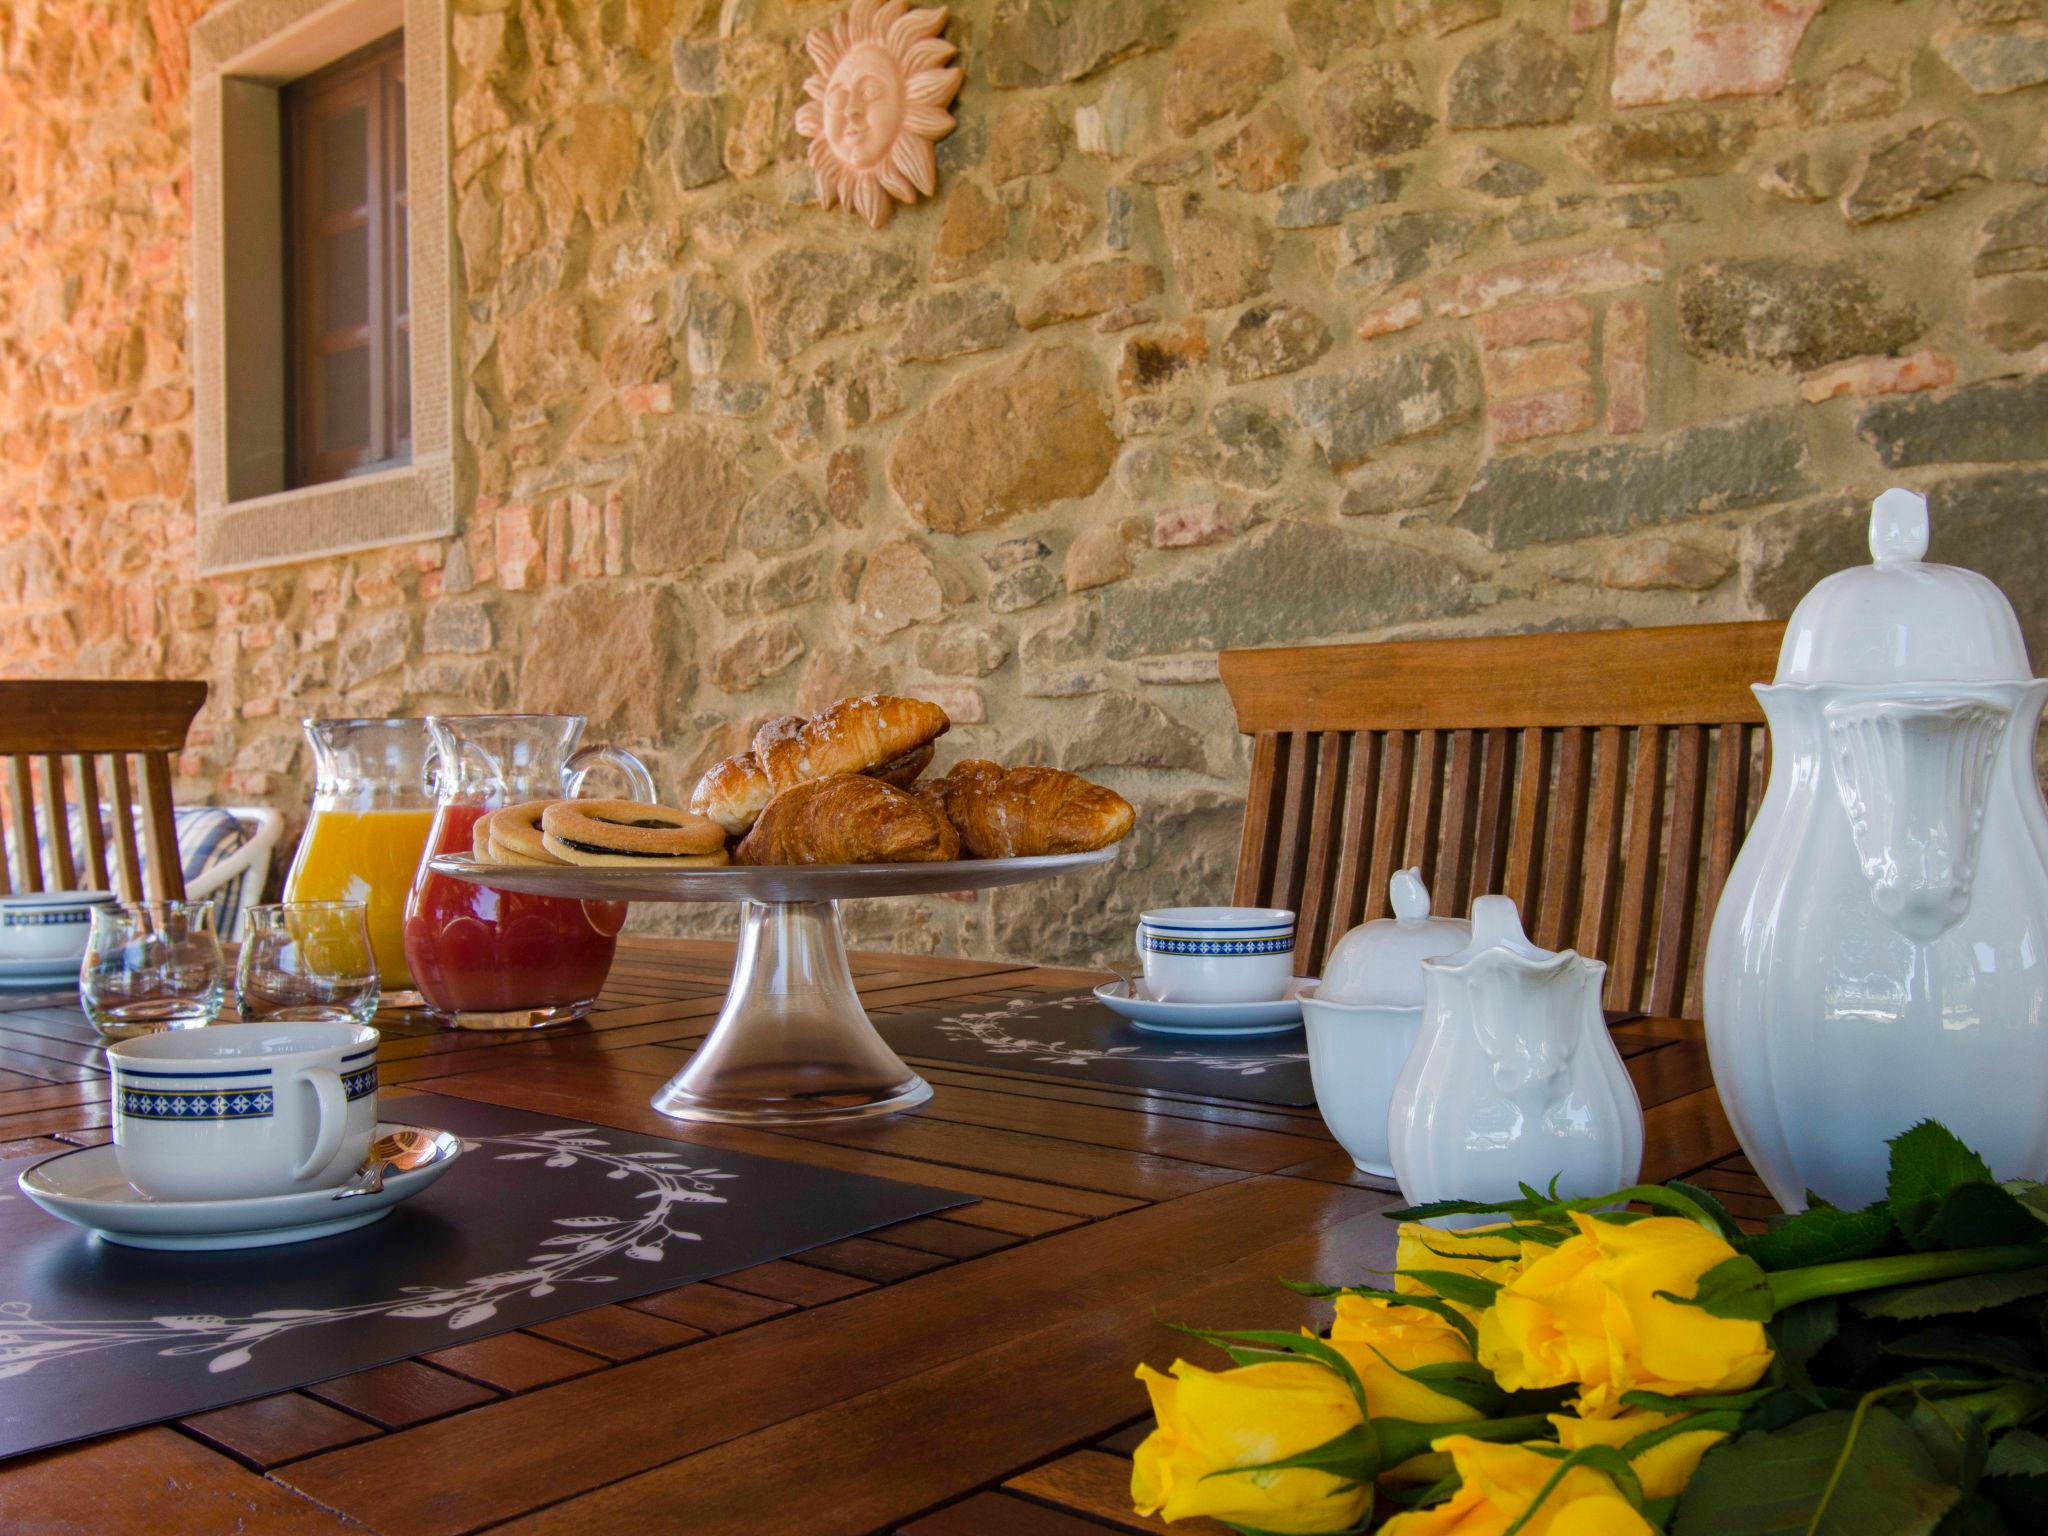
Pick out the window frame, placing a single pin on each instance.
(243, 53)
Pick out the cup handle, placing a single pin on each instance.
(333, 1120)
(637, 776)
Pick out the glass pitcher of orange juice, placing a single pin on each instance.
(373, 803)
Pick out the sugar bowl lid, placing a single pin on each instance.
(1901, 619)
(1379, 964)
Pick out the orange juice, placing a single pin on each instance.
(371, 857)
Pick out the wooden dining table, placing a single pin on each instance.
(967, 1374)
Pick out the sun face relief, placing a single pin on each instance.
(876, 104)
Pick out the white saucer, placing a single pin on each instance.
(86, 1189)
(1228, 1020)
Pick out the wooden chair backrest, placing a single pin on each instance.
(54, 735)
(1603, 779)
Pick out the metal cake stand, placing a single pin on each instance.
(792, 1042)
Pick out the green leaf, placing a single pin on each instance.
(1734, 1287)
(1453, 1285)
(1928, 1164)
(1352, 1456)
(1953, 1436)
(1801, 1332)
(1964, 1346)
(2018, 1453)
(1463, 1381)
(1733, 1402)
(1832, 1474)
(1979, 1216)
(1820, 1235)
(1435, 1208)
(1969, 1293)
(1602, 1458)
(2030, 1193)
(1711, 1204)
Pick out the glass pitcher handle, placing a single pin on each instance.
(637, 776)
(430, 773)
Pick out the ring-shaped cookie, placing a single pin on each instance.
(629, 832)
(515, 833)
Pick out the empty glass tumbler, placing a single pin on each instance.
(308, 961)
(152, 965)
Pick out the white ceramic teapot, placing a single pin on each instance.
(1514, 1078)
(1363, 1016)
(1879, 955)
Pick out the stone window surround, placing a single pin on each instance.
(243, 51)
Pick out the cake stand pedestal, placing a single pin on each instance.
(792, 1043)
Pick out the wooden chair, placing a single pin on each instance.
(1603, 779)
(54, 733)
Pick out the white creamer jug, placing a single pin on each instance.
(1879, 954)
(1514, 1078)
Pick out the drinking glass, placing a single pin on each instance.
(151, 965)
(308, 961)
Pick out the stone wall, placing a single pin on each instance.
(1232, 324)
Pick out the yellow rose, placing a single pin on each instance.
(1498, 1482)
(1481, 1252)
(1665, 1468)
(1381, 1339)
(1211, 1421)
(1587, 1312)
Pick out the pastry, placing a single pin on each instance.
(630, 834)
(849, 818)
(1009, 813)
(511, 835)
(876, 734)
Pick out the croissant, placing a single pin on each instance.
(849, 818)
(1007, 813)
(878, 734)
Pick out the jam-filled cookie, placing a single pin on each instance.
(512, 835)
(626, 833)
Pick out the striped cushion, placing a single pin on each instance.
(207, 838)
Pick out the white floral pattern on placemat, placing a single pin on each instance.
(27, 1342)
(990, 1029)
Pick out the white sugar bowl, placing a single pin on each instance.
(1363, 1017)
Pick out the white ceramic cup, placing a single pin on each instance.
(1217, 954)
(233, 1111)
(49, 926)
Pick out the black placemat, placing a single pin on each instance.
(538, 1218)
(1071, 1034)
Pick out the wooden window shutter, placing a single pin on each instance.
(351, 406)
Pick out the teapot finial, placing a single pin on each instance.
(1898, 527)
(1409, 895)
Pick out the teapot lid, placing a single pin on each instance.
(1379, 964)
(1900, 619)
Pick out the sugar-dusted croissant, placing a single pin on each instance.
(849, 818)
(888, 737)
(1008, 813)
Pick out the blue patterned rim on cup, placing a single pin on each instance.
(154, 1094)
(1216, 954)
(1164, 944)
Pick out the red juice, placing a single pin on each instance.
(473, 949)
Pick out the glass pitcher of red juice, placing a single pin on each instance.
(491, 959)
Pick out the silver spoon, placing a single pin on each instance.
(404, 1148)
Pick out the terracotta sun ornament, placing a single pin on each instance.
(877, 103)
